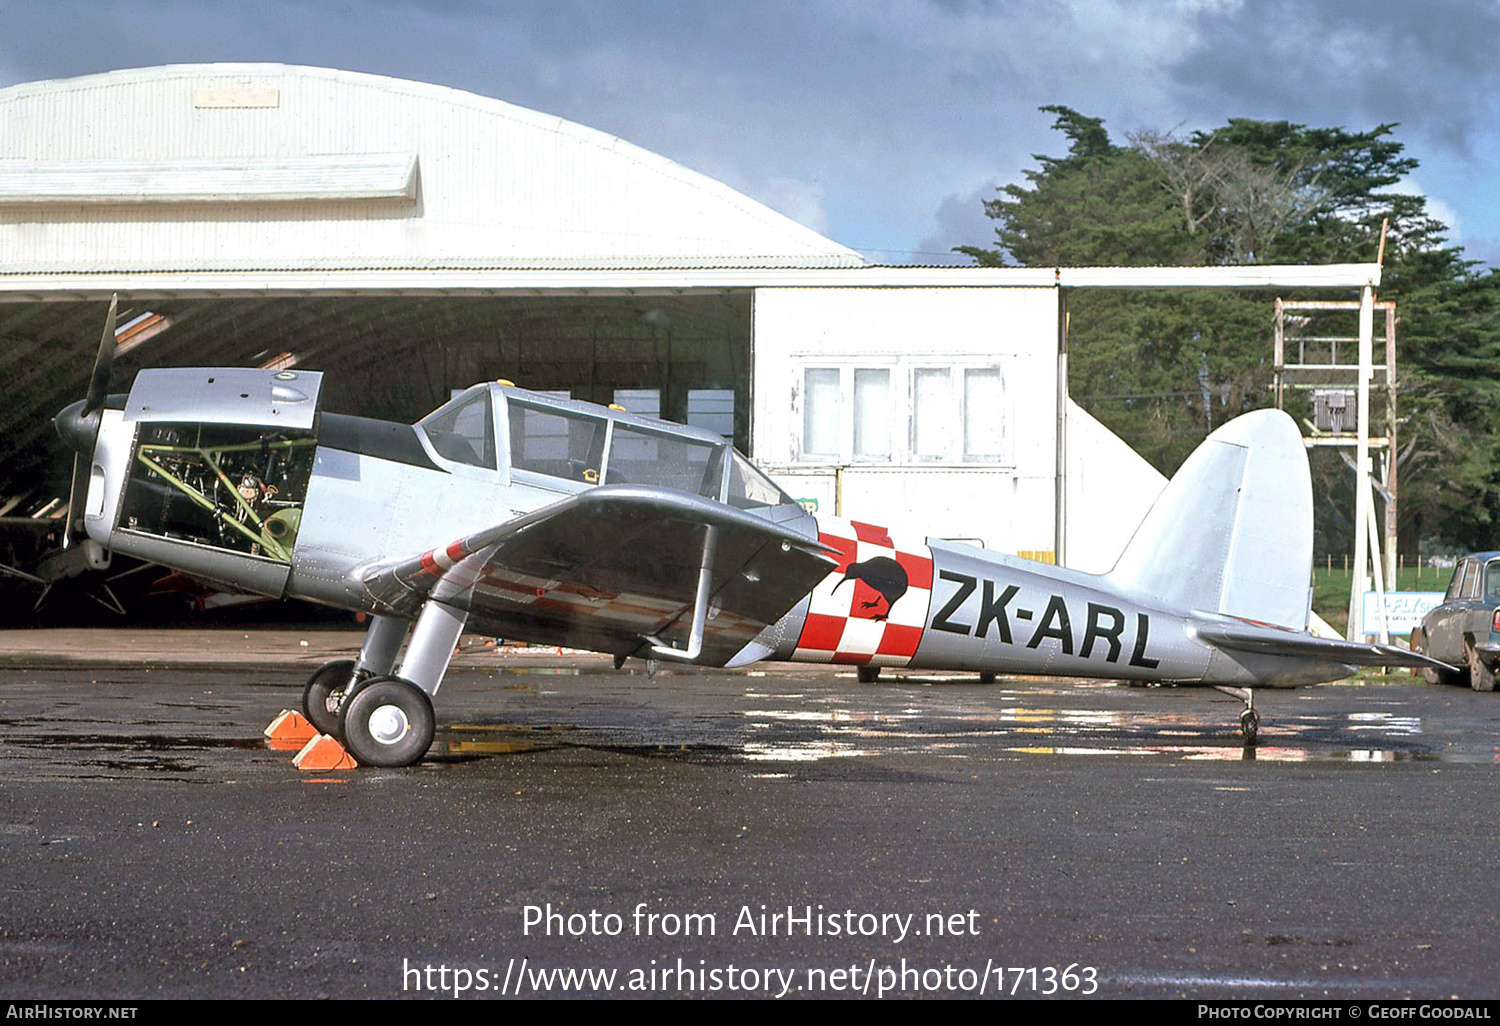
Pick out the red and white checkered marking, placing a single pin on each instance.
(852, 620)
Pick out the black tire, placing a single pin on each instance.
(1481, 674)
(388, 722)
(1430, 674)
(867, 674)
(327, 679)
(987, 678)
(1250, 725)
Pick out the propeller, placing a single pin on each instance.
(99, 382)
(78, 424)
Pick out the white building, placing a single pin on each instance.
(410, 238)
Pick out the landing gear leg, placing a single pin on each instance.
(388, 720)
(326, 690)
(382, 641)
(1249, 718)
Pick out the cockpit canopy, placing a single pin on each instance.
(543, 440)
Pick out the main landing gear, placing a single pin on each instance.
(323, 694)
(388, 722)
(385, 718)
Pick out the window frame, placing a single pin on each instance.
(901, 393)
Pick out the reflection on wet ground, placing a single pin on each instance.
(776, 720)
(815, 724)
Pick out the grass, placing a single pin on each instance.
(1331, 589)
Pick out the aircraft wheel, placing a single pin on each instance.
(1481, 674)
(1249, 725)
(328, 680)
(388, 722)
(867, 674)
(986, 678)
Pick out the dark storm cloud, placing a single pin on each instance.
(881, 124)
(852, 117)
(1431, 65)
(961, 221)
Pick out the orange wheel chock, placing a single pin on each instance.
(323, 753)
(289, 731)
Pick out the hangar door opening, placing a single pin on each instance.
(682, 357)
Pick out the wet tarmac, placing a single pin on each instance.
(156, 846)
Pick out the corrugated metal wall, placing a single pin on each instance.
(498, 185)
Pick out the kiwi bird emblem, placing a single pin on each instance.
(885, 576)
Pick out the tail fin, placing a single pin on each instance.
(1232, 532)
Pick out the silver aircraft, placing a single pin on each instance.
(561, 522)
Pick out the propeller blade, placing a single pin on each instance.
(99, 382)
(78, 494)
(93, 401)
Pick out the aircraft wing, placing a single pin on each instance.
(616, 569)
(1277, 641)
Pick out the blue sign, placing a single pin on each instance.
(1403, 610)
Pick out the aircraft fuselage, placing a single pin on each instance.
(347, 494)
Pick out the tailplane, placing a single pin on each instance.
(1232, 531)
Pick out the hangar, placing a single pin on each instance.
(410, 239)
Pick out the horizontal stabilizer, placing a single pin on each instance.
(1273, 641)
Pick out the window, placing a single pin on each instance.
(641, 456)
(643, 402)
(846, 413)
(558, 444)
(749, 488)
(1471, 581)
(712, 409)
(931, 413)
(463, 429)
(1456, 585)
(984, 413)
(872, 414)
(902, 413)
(822, 411)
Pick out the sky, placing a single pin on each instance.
(882, 124)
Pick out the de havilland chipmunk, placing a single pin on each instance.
(562, 522)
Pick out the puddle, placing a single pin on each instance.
(777, 734)
(1257, 753)
(806, 727)
(132, 742)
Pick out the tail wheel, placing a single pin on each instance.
(867, 674)
(323, 693)
(388, 722)
(1249, 725)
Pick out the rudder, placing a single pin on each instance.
(1232, 531)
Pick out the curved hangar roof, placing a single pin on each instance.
(273, 167)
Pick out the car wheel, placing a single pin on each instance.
(1430, 674)
(1481, 674)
